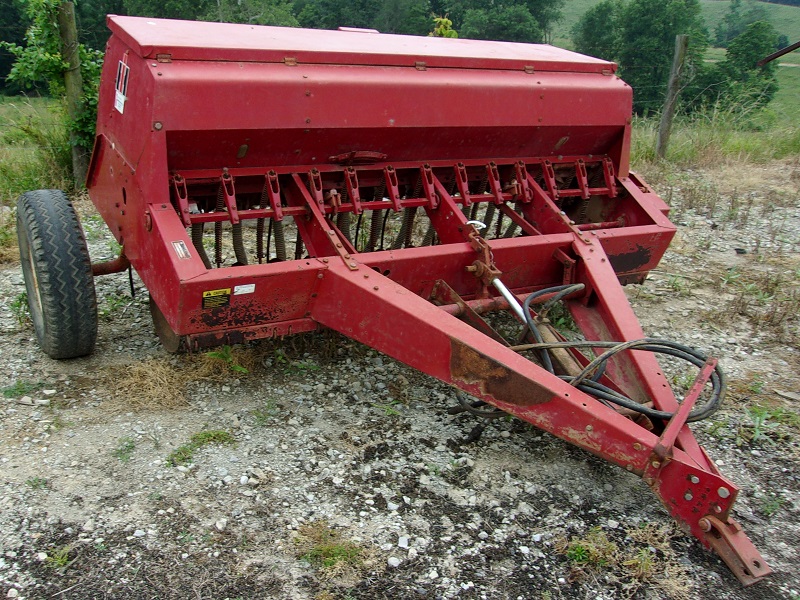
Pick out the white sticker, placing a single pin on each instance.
(119, 102)
(244, 289)
(181, 250)
(121, 84)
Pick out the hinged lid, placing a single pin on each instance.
(205, 41)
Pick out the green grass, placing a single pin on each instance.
(124, 450)
(21, 388)
(34, 147)
(184, 454)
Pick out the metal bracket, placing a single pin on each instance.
(426, 175)
(182, 196)
(583, 180)
(274, 194)
(462, 181)
(735, 548)
(392, 186)
(315, 183)
(351, 183)
(522, 181)
(550, 179)
(569, 266)
(229, 197)
(608, 173)
(494, 182)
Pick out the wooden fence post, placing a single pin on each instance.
(73, 84)
(668, 112)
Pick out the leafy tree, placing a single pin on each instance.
(13, 23)
(648, 31)
(330, 14)
(736, 86)
(39, 61)
(410, 17)
(169, 9)
(640, 36)
(736, 21)
(747, 81)
(256, 12)
(598, 32)
(513, 20)
(509, 23)
(91, 18)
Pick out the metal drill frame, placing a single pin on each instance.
(182, 143)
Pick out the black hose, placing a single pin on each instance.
(588, 379)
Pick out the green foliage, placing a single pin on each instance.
(37, 483)
(225, 354)
(410, 17)
(39, 62)
(512, 23)
(736, 21)
(443, 27)
(640, 35)
(59, 558)
(184, 454)
(256, 12)
(124, 450)
(19, 308)
(597, 33)
(168, 9)
(648, 29)
(330, 14)
(511, 20)
(594, 549)
(263, 416)
(748, 81)
(325, 548)
(21, 388)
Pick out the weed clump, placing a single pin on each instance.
(336, 559)
(184, 454)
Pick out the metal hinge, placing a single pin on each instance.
(608, 72)
(420, 66)
(290, 61)
(529, 69)
(164, 58)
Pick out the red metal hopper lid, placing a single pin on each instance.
(207, 41)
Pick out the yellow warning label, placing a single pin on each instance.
(216, 298)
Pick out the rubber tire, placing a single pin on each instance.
(58, 274)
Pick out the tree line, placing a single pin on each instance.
(637, 34)
(510, 20)
(640, 36)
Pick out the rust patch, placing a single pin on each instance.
(472, 368)
(631, 261)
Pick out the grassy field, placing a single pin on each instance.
(34, 150)
(786, 19)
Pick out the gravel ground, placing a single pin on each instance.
(325, 440)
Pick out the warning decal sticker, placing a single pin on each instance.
(121, 94)
(181, 250)
(216, 298)
(247, 288)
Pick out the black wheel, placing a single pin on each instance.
(58, 274)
